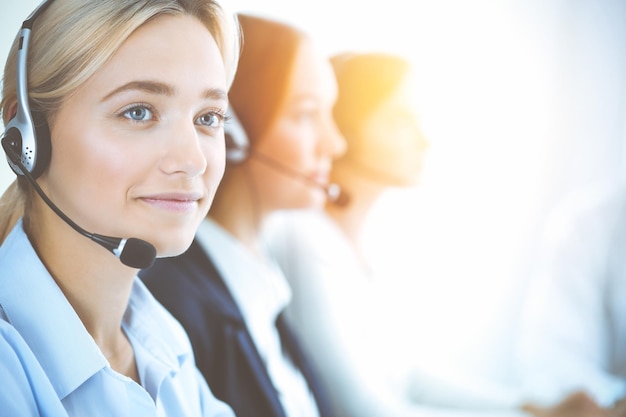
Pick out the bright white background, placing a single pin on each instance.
(523, 100)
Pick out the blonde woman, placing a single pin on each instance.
(128, 101)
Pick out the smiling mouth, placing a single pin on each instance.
(320, 177)
(174, 203)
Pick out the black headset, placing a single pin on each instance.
(27, 134)
(237, 141)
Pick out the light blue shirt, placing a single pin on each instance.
(51, 366)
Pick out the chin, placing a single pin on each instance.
(316, 200)
(172, 247)
(304, 199)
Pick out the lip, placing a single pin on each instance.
(175, 202)
(320, 176)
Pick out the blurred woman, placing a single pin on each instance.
(336, 308)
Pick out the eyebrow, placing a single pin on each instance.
(156, 87)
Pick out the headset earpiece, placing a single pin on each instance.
(43, 144)
(237, 142)
(27, 134)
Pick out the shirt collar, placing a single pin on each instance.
(144, 322)
(161, 345)
(35, 305)
(258, 286)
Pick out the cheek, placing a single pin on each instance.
(215, 170)
(411, 146)
(88, 163)
(216, 164)
(390, 148)
(288, 147)
(90, 180)
(289, 144)
(372, 144)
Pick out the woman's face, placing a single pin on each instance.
(391, 144)
(303, 138)
(138, 150)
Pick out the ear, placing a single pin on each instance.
(11, 112)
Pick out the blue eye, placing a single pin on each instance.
(138, 114)
(211, 119)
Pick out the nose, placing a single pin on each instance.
(183, 151)
(332, 140)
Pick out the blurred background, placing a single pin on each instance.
(524, 102)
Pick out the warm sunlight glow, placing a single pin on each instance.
(485, 101)
(494, 100)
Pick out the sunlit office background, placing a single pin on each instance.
(524, 102)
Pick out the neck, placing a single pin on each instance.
(95, 282)
(364, 194)
(237, 209)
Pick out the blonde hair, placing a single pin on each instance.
(72, 39)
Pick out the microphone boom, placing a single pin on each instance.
(334, 193)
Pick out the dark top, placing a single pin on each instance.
(191, 288)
